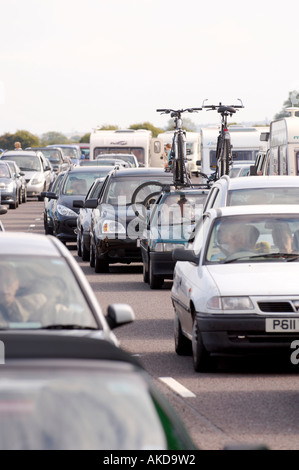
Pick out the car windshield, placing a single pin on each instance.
(88, 408)
(25, 163)
(120, 190)
(252, 238)
(253, 196)
(79, 183)
(70, 152)
(39, 292)
(53, 155)
(4, 171)
(176, 216)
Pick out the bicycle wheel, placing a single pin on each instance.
(179, 173)
(226, 156)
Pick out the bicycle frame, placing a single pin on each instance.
(224, 147)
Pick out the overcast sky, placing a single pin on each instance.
(71, 65)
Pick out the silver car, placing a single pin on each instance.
(34, 165)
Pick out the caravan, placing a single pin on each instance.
(283, 155)
(245, 142)
(192, 147)
(148, 150)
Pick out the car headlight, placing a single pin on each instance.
(230, 303)
(66, 211)
(38, 179)
(166, 246)
(9, 187)
(112, 226)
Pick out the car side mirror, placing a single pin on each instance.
(119, 314)
(253, 170)
(49, 195)
(181, 254)
(90, 204)
(79, 204)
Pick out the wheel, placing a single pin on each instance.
(100, 265)
(24, 199)
(180, 160)
(20, 199)
(84, 251)
(155, 282)
(79, 244)
(15, 204)
(201, 358)
(145, 273)
(226, 155)
(183, 346)
(91, 255)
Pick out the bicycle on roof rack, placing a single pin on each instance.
(224, 147)
(178, 149)
(178, 166)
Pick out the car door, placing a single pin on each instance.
(47, 173)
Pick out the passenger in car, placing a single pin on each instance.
(283, 238)
(13, 308)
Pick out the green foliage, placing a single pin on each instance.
(108, 127)
(50, 138)
(26, 139)
(188, 125)
(85, 139)
(148, 126)
(288, 104)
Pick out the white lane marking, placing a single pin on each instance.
(177, 387)
(32, 225)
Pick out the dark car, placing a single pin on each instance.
(42, 287)
(55, 156)
(84, 219)
(105, 162)
(75, 186)
(20, 180)
(115, 230)
(49, 203)
(169, 226)
(79, 393)
(9, 188)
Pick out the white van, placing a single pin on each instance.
(245, 142)
(148, 150)
(284, 145)
(192, 147)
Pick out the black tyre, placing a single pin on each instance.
(182, 345)
(155, 282)
(91, 255)
(101, 265)
(145, 273)
(84, 251)
(79, 244)
(201, 358)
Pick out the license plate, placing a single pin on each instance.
(282, 325)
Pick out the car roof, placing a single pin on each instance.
(51, 345)
(85, 169)
(21, 153)
(259, 209)
(140, 171)
(259, 182)
(32, 244)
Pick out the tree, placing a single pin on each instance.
(85, 139)
(290, 102)
(50, 138)
(148, 126)
(108, 127)
(26, 139)
(188, 125)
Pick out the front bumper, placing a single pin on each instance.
(119, 250)
(162, 263)
(233, 334)
(7, 197)
(66, 228)
(34, 189)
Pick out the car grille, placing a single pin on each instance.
(275, 307)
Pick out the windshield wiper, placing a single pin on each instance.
(68, 327)
(287, 256)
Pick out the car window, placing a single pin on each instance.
(78, 183)
(4, 171)
(211, 197)
(40, 291)
(25, 163)
(252, 196)
(77, 409)
(255, 238)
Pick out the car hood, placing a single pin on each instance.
(67, 201)
(28, 175)
(256, 278)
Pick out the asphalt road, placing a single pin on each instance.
(245, 401)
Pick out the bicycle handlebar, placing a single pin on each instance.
(177, 112)
(222, 109)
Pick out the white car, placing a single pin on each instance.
(235, 287)
(253, 190)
